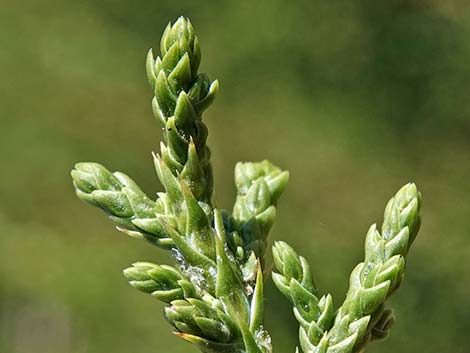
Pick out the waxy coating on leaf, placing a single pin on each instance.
(362, 317)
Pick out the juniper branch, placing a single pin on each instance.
(133, 212)
(181, 96)
(382, 271)
(259, 186)
(163, 282)
(214, 298)
(294, 280)
(188, 312)
(362, 316)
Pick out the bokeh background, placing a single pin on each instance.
(355, 98)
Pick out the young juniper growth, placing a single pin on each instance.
(362, 317)
(214, 293)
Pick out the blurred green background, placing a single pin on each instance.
(355, 98)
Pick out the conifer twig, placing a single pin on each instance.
(213, 295)
(362, 316)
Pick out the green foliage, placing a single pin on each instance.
(362, 317)
(214, 295)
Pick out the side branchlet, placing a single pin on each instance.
(362, 317)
